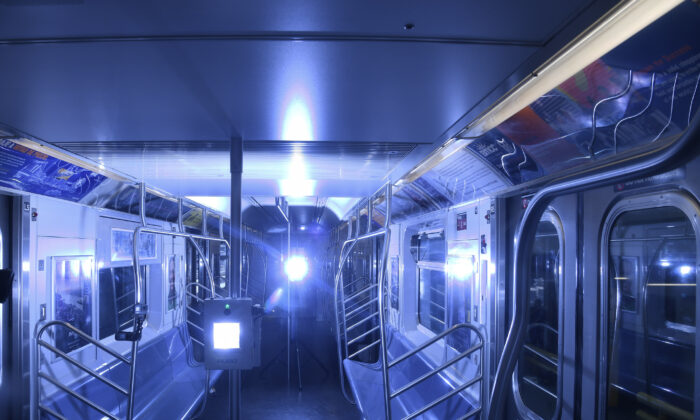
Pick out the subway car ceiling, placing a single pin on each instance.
(303, 150)
(140, 74)
(512, 184)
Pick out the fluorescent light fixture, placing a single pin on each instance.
(448, 149)
(296, 268)
(220, 204)
(611, 30)
(226, 335)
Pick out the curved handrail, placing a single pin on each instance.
(344, 255)
(641, 112)
(190, 236)
(616, 96)
(670, 112)
(343, 260)
(39, 374)
(648, 162)
(478, 377)
(82, 335)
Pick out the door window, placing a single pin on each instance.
(652, 259)
(538, 371)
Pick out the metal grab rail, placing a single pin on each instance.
(477, 378)
(648, 162)
(140, 312)
(359, 293)
(41, 375)
(340, 291)
(212, 294)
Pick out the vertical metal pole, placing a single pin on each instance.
(142, 203)
(289, 297)
(382, 332)
(236, 168)
(207, 255)
(20, 351)
(138, 308)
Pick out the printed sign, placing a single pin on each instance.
(461, 222)
(25, 169)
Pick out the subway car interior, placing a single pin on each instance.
(349, 210)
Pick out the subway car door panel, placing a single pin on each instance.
(638, 273)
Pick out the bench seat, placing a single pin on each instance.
(166, 386)
(366, 384)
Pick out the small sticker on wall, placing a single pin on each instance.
(461, 221)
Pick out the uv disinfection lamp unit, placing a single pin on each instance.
(229, 338)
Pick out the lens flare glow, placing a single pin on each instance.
(297, 183)
(685, 270)
(274, 299)
(297, 123)
(461, 268)
(296, 268)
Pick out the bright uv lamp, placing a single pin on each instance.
(229, 339)
(296, 268)
(226, 335)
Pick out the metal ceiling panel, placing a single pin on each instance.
(457, 20)
(259, 90)
(340, 168)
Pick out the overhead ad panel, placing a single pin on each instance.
(26, 169)
(641, 92)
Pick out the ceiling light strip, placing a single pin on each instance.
(611, 30)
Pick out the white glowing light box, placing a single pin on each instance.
(226, 335)
(230, 334)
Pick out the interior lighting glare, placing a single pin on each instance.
(296, 268)
(685, 270)
(461, 268)
(227, 335)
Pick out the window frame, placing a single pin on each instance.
(146, 276)
(429, 265)
(432, 266)
(675, 198)
(551, 216)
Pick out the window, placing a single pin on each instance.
(538, 364)
(218, 263)
(651, 257)
(429, 251)
(394, 282)
(72, 303)
(462, 269)
(431, 292)
(117, 298)
(123, 245)
(172, 275)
